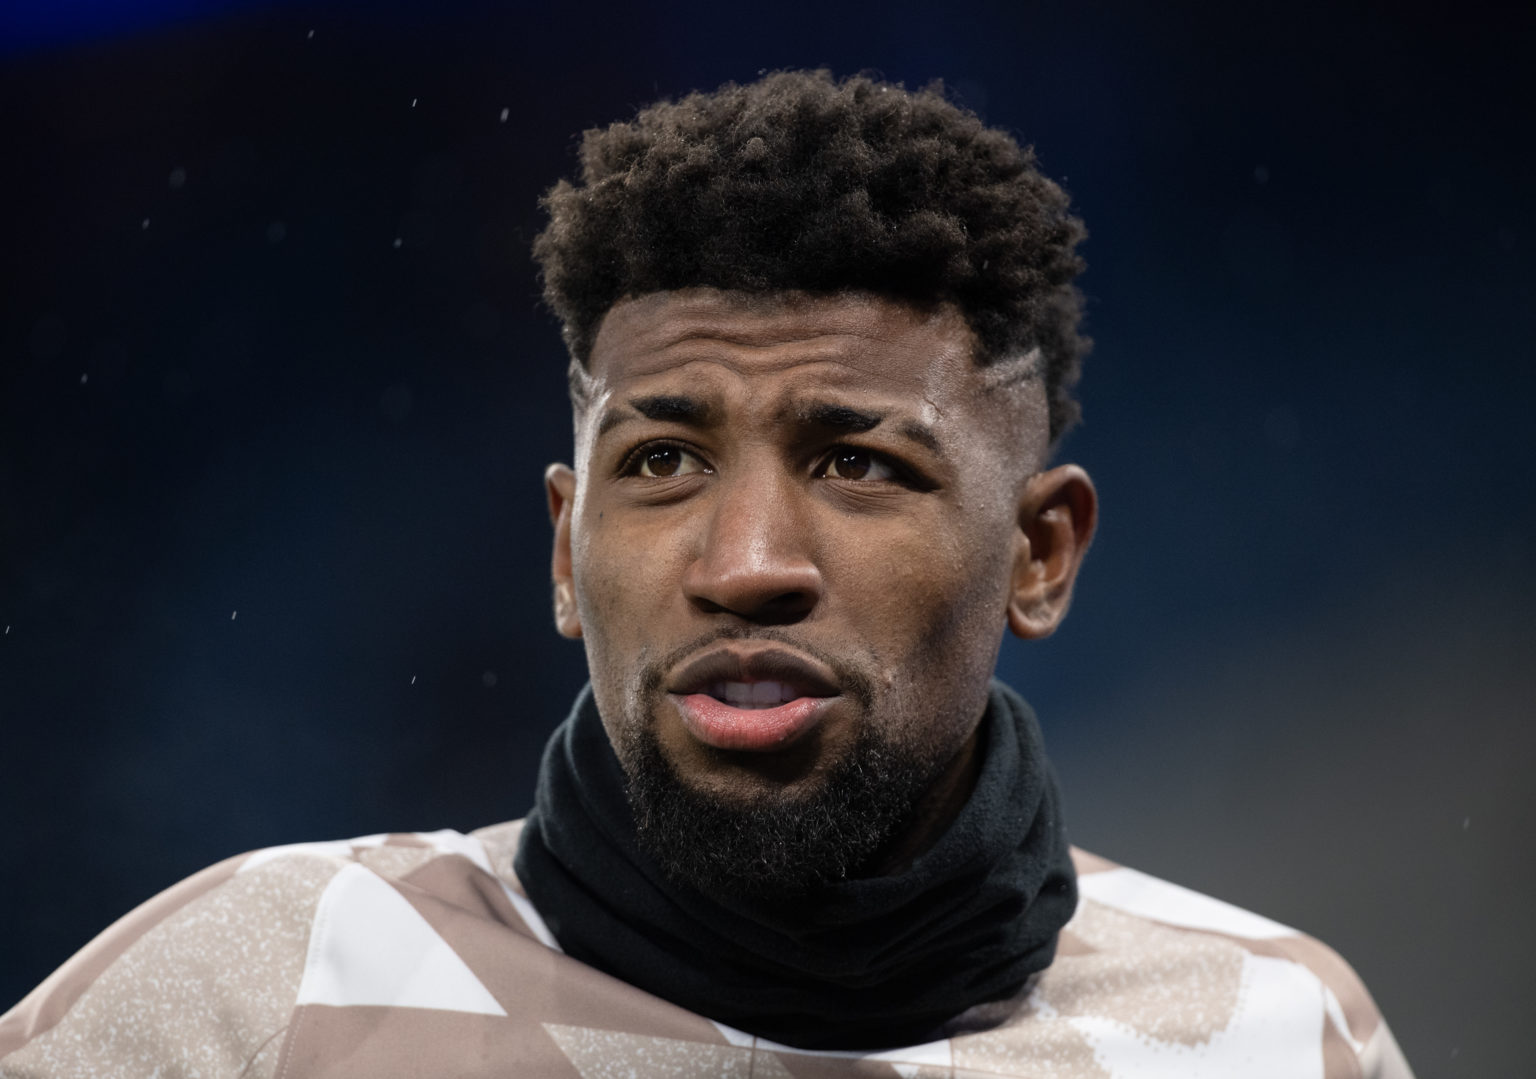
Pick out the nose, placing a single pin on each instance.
(755, 555)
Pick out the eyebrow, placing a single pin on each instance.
(661, 407)
(680, 408)
(843, 418)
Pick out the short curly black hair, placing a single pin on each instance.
(803, 182)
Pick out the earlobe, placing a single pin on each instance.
(560, 490)
(1057, 515)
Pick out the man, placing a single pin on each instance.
(823, 340)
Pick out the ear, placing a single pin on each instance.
(1057, 513)
(560, 488)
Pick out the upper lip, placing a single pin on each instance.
(738, 663)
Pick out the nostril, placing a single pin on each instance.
(788, 607)
(771, 595)
(779, 608)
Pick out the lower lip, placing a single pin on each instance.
(755, 730)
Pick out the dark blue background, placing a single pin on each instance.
(273, 552)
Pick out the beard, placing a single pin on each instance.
(774, 846)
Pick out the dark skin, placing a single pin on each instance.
(831, 477)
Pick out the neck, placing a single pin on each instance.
(967, 905)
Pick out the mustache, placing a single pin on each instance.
(853, 681)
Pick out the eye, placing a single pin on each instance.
(663, 461)
(852, 463)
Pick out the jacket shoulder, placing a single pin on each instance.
(204, 977)
(1146, 965)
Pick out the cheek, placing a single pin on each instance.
(949, 596)
(599, 572)
(625, 580)
(613, 657)
(935, 598)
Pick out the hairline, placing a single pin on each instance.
(1024, 366)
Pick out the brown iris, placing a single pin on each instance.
(849, 464)
(664, 461)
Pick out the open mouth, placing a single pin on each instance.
(754, 694)
(754, 699)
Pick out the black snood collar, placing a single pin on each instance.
(860, 964)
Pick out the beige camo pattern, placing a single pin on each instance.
(204, 981)
(1171, 986)
(202, 993)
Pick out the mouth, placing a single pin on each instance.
(753, 699)
(754, 695)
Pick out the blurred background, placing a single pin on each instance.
(276, 392)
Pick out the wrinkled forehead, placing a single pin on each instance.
(847, 340)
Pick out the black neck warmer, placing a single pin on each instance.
(859, 964)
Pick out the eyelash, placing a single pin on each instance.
(630, 466)
(903, 473)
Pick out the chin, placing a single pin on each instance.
(742, 832)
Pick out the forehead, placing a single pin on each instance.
(787, 343)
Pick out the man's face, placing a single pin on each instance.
(792, 538)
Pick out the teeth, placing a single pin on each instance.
(770, 694)
(753, 694)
